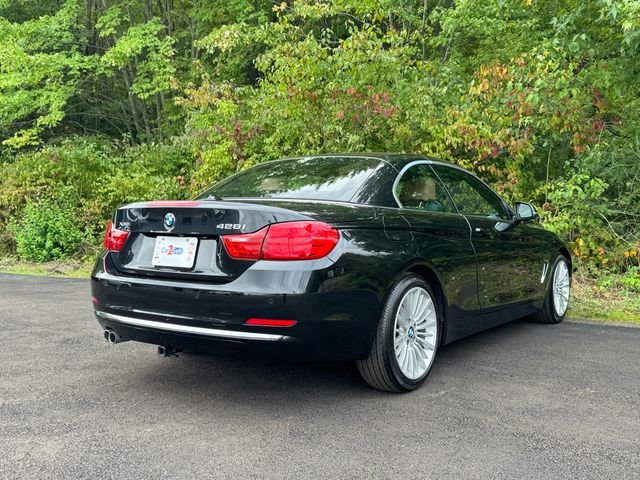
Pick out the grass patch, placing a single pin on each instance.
(590, 301)
(57, 268)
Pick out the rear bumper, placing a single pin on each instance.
(333, 322)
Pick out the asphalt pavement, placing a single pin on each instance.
(519, 401)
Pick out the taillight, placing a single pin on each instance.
(114, 239)
(299, 241)
(245, 246)
(284, 241)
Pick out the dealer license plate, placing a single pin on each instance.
(179, 252)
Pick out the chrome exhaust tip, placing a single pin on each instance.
(112, 337)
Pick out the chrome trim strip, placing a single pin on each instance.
(399, 176)
(188, 329)
(545, 267)
(424, 162)
(437, 163)
(157, 314)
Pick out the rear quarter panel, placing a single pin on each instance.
(378, 253)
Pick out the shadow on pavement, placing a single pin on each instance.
(232, 376)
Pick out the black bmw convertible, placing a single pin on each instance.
(380, 259)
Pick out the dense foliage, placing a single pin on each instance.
(103, 102)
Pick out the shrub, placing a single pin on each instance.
(49, 230)
(76, 167)
(631, 279)
(585, 211)
(94, 176)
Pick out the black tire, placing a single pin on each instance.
(548, 312)
(380, 370)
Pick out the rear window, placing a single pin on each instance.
(313, 178)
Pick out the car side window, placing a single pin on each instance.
(470, 195)
(420, 189)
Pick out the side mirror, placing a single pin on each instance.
(525, 211)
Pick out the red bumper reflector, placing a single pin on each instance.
(94, 300)
(269, 322)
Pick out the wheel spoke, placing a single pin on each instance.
(421, 355)
(417, 301)
(412, 361)
(422, 316)
(404, 315)
(424, 308)
(425, 358)
(562, 273)
(417, 364)
(411, 301)
(402, 355)
(423, 326)
(417, 305)
(424, 335)
(425, 344)
(406, 361)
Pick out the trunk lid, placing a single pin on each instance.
(195, 228)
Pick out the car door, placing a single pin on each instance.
(509, 257)
(442, 240)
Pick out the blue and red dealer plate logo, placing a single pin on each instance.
(171, 250)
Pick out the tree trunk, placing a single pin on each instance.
(132, 101)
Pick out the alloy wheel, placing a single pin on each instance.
(561, 286)
(415, 333)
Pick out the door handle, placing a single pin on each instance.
(482, 232)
